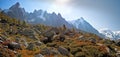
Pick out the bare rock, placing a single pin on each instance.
(63, 51)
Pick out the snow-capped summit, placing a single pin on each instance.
(113, 35)
(81, 19)
(82, 24)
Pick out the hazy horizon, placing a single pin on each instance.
(100, 14)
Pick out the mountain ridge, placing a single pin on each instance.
(113, 35)
(50, 19)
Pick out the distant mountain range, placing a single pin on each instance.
(113, 35)
(36, 17)
(50, 19)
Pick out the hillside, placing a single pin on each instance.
(21, 39)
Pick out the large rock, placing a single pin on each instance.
(3, 38)
(63, 51)
(45, 40)
(14, 45)
(29, 33)
(93, 40)
(31, 46)
(46, 51)
(38, 43)
(25, 43)
(49, 51)
(60, 37)
(81, 38)
(17, 39)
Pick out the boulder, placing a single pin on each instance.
(38, 43)
(17, 39)
(14, 46)
(29, 33)
(63, 51)
(49, 51)
(46, 51)
(1, 41)
(30, 46)
(81, 38)
(3, 38)
(60, 37)
(24, 42)
(93, 40)
(3, 21)
(45, 40)
(39, 55)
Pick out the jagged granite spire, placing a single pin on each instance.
(16, 11)
(17, 5)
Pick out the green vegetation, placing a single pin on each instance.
(50, 41)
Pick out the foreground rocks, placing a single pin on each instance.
(20, 39)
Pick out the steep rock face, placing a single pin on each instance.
(84, 25)
(113, 35)
(16, 11)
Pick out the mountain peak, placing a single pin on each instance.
(59, 14)
(53, 13)
(82, 24)
(17, 5)
(81, 19)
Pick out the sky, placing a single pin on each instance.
(99, 13)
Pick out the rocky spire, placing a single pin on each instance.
(17, 5)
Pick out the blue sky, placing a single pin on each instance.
(100, 13)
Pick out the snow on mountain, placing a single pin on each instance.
(113, 35)
(84, 25)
